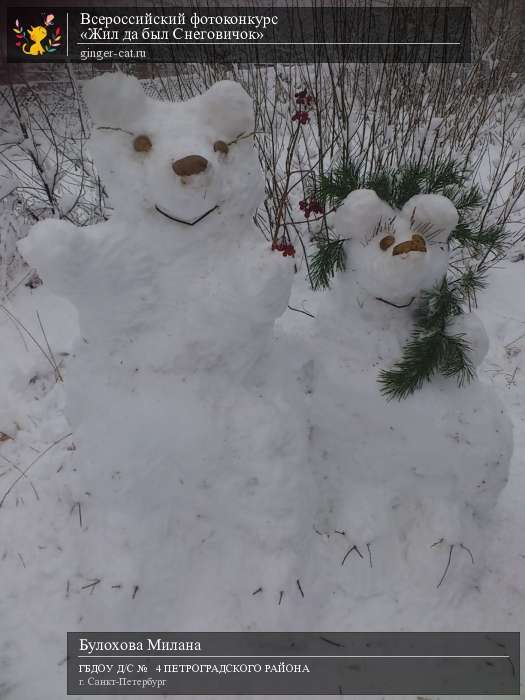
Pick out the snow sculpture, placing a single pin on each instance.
(406, 484)
(188, 463)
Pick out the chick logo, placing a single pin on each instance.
(39, 40)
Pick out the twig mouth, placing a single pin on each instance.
(397, 306)
(187, 222)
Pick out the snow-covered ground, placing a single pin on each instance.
(201, 468)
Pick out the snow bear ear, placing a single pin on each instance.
(360, 215)
(229, 110)
(114, 99)
(433, 212)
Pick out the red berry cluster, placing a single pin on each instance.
(310, 207)
(304, 101)
(301, 117)
(286, 249)
(302, 98)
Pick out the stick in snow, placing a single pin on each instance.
(352, 548)
(468, 550)
(447, 566)
(23, 473)
(91, 585)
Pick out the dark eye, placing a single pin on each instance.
(386, 242)
(142, 143)
(221, 147)
(419, 243)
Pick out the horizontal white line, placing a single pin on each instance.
(280, 656)
(269, 43)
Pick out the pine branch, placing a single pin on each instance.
(381, 183)
(456, 360)
(423, 357)
(472, 281)
(445, 173)
(431, 350)
(408, 182)
(463, 233)
(396, 188)
(329, 259)
(420, 360)
(437, 305)
(333, 188)
(468, 199)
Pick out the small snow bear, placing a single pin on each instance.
(402, 484)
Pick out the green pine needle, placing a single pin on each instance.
(431, 350)
(444, 174)
(424, 356)
(381, 183)
(470, 198)
(409, 182)
(472, 281)
(329, 259)
(333, 188)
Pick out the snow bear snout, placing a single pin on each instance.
(189, 165)
(416, 245)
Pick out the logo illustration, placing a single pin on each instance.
(39, 40)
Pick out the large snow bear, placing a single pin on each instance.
(404, 487)
(191, 466)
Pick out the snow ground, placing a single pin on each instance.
(92, 539)
(48, 567)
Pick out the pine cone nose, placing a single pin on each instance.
(189, 165)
